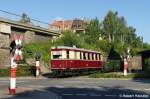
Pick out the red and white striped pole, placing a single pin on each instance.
(17, 56)
(125, 66)
(37, 64)
(12, 89)
(18, 53)
(37, 68)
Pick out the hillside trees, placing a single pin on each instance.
(112, 32)
(68, 38)
(119, 34)
(110, 26)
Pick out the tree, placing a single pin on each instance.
(25, 18)
(110, 26)
(68, 39)
(121, 30)
(93, 31)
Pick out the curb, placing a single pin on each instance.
(8, 78)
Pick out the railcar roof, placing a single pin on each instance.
(73, 48)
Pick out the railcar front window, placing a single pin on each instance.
(57, 56)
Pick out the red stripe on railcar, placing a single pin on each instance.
(75, 64)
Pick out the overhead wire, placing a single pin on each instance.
(11, 13)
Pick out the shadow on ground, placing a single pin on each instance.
(83, 93)
(142, 80)
(52, 75)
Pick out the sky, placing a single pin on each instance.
(136, 12)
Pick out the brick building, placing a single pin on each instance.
(77, 25)
(61, 25)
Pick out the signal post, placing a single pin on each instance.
(16, 57)
(37, 58)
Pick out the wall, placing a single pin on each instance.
(4, 50)
(136, 63)
(29, 37)
(33, 37)
(38, 37)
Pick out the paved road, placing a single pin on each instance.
(79, 88)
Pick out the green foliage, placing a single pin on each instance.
(112, 66)
(93, 31)
(146, 46)
(116, 31)
(43, 48)
(68, 39)
(148, 65)
(119, 75)
(4, 72)
(110, 26)
(104, 45)
(21, 71)
(26, 71)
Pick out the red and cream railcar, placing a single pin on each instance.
(71, 58)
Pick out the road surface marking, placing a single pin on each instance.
(110, 95)
(59, 86)
(147, 89)
(6, 81)
(96, 95)
(81, 94)
(66, 94)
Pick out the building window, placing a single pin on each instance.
(79, 26)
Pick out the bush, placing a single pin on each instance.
(42, 48)
(119, 75)
(4, 72)
(21, 71)
(148, 65)
(112, 66)
(26, 71)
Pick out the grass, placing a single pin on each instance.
(119, 75)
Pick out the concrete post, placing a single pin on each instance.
(12, 89)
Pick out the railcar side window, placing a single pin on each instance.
(99, 56)
(84, 56)
(81, 54)
(78, 55)
(72, 54)
(96, 56)
(88, 56)
(92, 56)
(67, 54)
